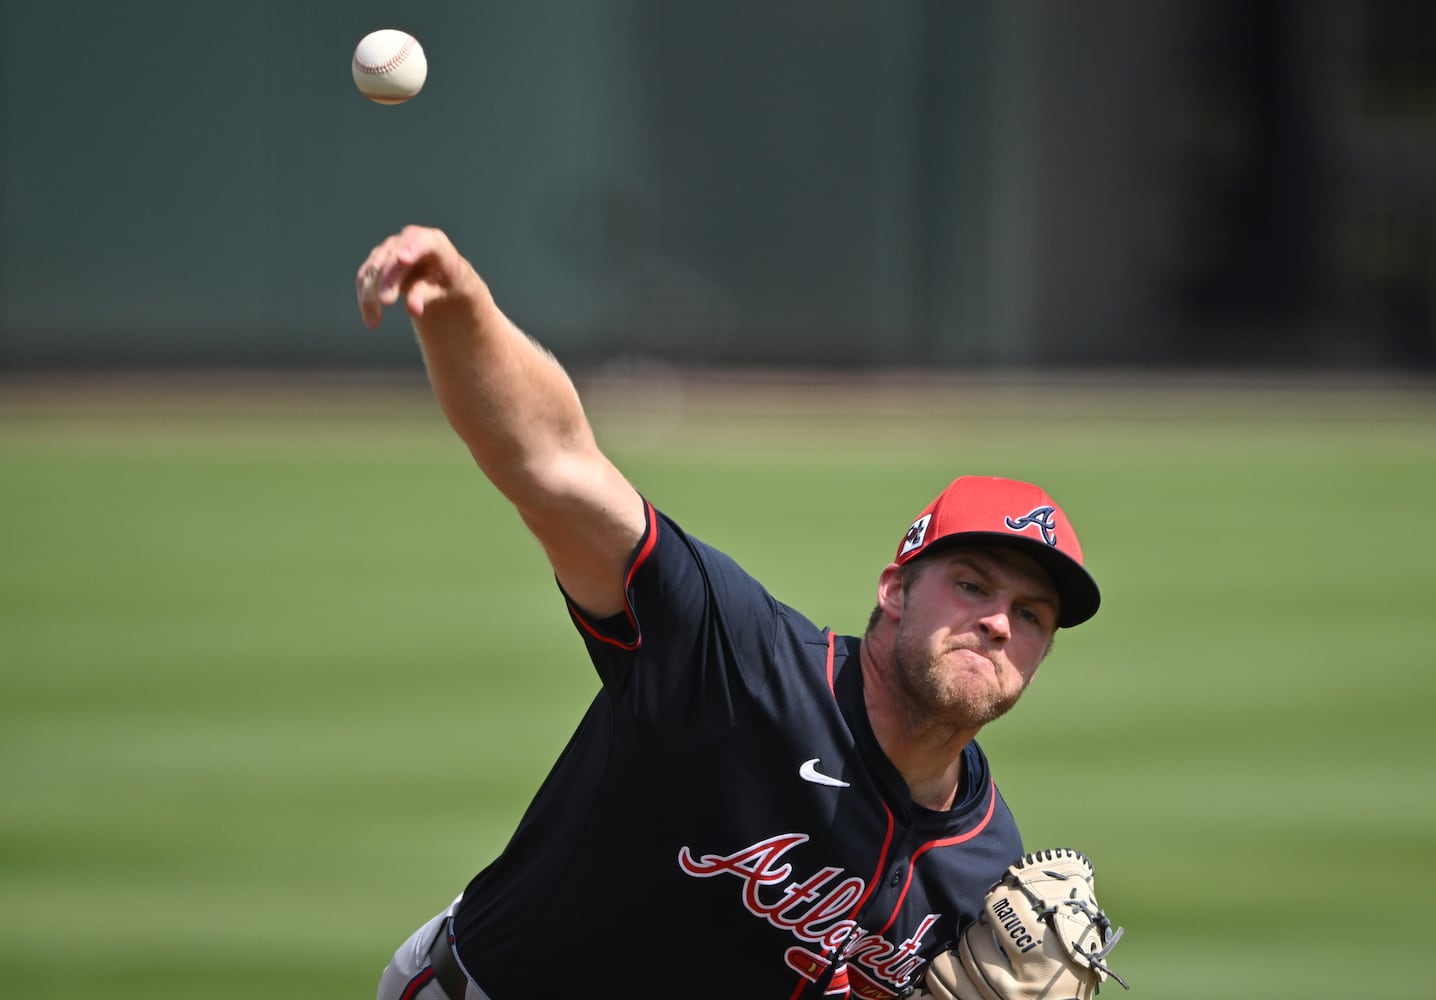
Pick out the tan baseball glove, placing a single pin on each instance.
(1040, 936)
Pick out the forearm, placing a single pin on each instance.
(505, 396)
(516, 409)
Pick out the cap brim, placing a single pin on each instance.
(1075, 587)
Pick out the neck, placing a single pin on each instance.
(925, 751)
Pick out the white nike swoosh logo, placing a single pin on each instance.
(809, 772)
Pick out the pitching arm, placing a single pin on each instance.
(512, 403)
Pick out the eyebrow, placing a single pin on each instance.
(1038, 586)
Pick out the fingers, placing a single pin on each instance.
(370, 285)
(367, 290)
(394, 266)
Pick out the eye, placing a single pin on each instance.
(1032, 617)
(968, 586)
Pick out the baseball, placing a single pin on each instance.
(389, 66)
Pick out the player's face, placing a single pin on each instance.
(976, 623)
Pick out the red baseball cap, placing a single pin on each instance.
(1008, 512)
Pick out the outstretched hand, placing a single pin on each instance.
(420, 265)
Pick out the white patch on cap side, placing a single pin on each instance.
(915, 535)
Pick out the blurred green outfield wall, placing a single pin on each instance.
(198, 182)
(832, 182)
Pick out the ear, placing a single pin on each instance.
(891, 591)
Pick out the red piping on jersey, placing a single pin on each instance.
(948, 842)
(644, 551)
(417, 983)
(831, 643)
(882, 864)
(872, 882)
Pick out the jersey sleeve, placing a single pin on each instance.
(695, 638)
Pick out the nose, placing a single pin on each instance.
(996, 624)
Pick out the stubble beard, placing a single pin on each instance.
(938, 691)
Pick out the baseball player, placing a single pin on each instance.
(752, 806)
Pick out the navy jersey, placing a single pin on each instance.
(723, 822)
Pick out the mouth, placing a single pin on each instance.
(960, 651)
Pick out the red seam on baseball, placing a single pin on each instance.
(388, 64)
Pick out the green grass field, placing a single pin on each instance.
(278, 669)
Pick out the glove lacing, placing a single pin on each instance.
(1099, 919)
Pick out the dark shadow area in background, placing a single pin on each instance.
(1302, 169)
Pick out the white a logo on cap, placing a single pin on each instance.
(1043, 518)
(915, 535)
